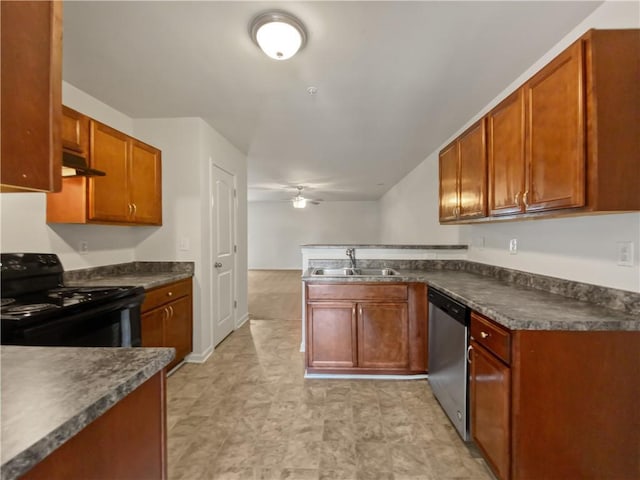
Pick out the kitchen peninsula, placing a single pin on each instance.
(557, 357)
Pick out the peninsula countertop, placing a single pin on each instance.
(49, 394)
(513, 306)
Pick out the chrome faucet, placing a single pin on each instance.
(351, 253)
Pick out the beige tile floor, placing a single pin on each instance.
(248, 413)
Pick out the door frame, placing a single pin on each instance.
(234, 214)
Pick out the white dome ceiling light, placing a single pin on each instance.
(279, 34)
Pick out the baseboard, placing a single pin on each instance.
(242, 320)
(199, 357)
(346, 376)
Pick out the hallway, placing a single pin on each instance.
(248, 413)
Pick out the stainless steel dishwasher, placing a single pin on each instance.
(448, 342)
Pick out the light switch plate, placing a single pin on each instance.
(513, 246)
(185, 244)
(83, 247)
(625, 254)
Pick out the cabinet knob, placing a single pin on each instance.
(169, 294)
(484, 334)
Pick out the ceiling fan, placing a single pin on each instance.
(301, 202)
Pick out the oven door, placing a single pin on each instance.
(115, 324)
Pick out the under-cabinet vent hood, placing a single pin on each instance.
(76, 166)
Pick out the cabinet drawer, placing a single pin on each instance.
(357, 292)
(494, 338)
(167, 293)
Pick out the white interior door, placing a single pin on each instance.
(222, 253)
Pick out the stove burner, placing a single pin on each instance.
(34, 307)
(7, 301)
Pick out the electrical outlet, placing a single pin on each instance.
(83, 247)
(185, 244)
(625, 254)
(513, 246)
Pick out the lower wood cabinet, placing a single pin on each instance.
(127, 441)
(167, 319)
(555, 404)
(366, 328)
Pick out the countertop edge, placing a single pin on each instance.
(497, 316)
(390, 247)
(32, 455)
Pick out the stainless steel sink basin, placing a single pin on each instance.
(352, 272)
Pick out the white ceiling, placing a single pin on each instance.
(394, 79)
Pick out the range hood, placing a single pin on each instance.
(76, 166)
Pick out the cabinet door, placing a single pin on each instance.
(75, 131)
(383, 335)
(31, 87)
(473, 172)
(490, 405)
(177, 329)
(556, 148)
(507, 155)
(152, 325)
(108, 195)
(448, 171)
(331, 335)
(145, 183)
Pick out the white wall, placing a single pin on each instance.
(580, 248)
(276, 230)
(409, 210)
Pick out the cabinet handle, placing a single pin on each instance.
(165, 314)
(525, 198)
(360, 311)
(353, 311)
(484, 334)
(469, 348)
(217, 264)
(130, 209)
(516, 199)
(170, 312)
(135, 208)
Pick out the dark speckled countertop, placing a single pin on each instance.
(513, 306)
(51, 393)
(141, 274)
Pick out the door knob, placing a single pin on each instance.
(217, 264)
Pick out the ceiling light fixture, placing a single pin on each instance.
(279, 34)
(299, 201)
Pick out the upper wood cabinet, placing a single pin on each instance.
(568, 141)
(556, 131)
(75, 132)
(506, 145)
(131, 191)
(31, 92)
(463, 176)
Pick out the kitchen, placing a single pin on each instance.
(575, 248)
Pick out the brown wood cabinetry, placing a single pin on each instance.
(366, 328)
(463, 172)
(490, 395)
(31, 92)
(127, 441)
(561, 396)
(568, 140)
(75, 131)
(131, 191)
(167, 319)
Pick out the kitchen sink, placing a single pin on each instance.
(352, 272)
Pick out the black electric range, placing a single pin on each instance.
(38, 309)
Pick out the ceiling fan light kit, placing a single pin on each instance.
(279, 34)
(299, 202)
